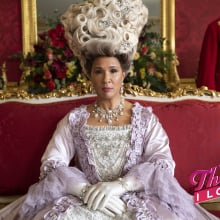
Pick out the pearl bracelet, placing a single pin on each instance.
(124, 184)
(83, 191)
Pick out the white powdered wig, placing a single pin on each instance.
(104, 27)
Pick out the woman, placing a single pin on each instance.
(125, 167)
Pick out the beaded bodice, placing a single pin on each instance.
(108, 145)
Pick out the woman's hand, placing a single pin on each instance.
(78, 189)
(101, 194)
(115, 206)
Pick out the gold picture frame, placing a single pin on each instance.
(168, 32)
(29, 24)
(29, 30)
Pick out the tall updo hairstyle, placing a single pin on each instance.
(110, 28)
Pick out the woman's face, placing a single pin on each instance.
(107, 77)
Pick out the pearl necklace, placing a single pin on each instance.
(109, 115)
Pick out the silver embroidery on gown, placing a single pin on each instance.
(108, 146)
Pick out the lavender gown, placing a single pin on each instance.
(140, 149)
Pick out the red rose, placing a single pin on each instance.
(61, 75)
(47, 75)
(57, 36)
(59, 67)
(51, 85)
(144, 49)
(68, 53)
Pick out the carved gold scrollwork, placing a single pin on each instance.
(85, 88)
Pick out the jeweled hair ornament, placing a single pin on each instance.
(115, 24)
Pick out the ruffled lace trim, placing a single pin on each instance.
(164, 165)
(49, 166)
(141, 205)
(77, 120)
(61, 206)
(134, 153)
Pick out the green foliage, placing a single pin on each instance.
(151, 63)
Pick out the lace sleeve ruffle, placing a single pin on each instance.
(163, 164)
(58, 182)
(49, 166)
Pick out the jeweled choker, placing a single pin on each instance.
(108, 115)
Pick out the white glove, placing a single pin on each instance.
(115, 206)
(100, 194)
(78, 190)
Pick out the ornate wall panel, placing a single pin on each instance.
(10, 36)
(192, 18)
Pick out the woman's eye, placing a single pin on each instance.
(114, 70)
(98, 71)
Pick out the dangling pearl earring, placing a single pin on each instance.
(122, 89)
(92, 89)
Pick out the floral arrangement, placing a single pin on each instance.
(52, 65)
(151, 62)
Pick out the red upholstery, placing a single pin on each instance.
(25, 130)
(193, 128)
